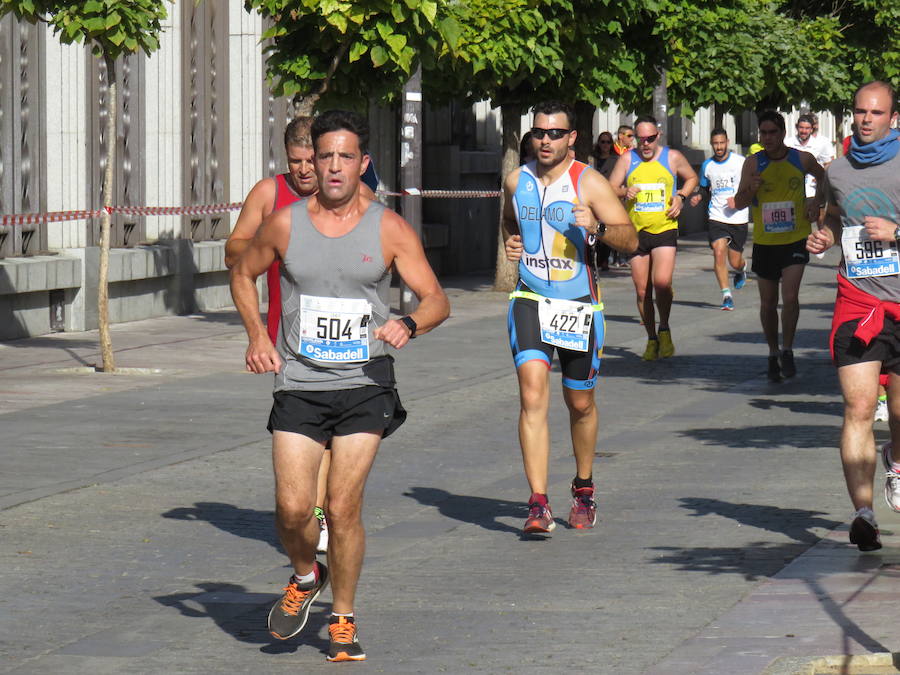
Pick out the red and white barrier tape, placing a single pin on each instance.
(175, 210)
(442, 194)
(205, 209)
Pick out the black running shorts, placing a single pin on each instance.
(884, 347)
(735, 234)
(320, 415)
(647, 241)
(770, 260)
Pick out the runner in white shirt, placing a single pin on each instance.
(720, 176)
(814, 144)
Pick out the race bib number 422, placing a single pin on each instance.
(334, 330)
(865, 257)
(565, 323)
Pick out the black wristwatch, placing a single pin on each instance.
(409, 323)
(897, 234)
(601, 229)
(683, 197)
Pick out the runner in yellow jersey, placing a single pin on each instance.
(772, 184)
(647, 178)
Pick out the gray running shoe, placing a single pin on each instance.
(788, 369)
(864, 531)
(344, 644)
(288, 615)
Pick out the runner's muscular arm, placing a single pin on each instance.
(688, 176)
(750, 182)
(270, 242)
(257, 206)
(607, 208)
(403, 248)
(513, 243)
(619, 175)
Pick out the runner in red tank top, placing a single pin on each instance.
(271, 194)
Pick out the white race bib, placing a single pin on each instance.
(566, 323)
(651, 198)
(778, 217)
(334, 330)
(867, 258)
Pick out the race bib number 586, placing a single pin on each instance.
(865, 257)
(334, 330)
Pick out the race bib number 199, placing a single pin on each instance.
(334, 330)
(565, 323)
(778, 217)
(865, 257)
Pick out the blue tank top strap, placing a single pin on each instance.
(664, 159)
(635, 163)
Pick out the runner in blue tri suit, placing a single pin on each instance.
(557, 207)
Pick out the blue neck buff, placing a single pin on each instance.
(878, 152)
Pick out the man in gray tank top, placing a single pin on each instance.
(863, 216)
(334, 378)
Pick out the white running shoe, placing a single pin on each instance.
(881, 411)
(891, 479)
(322, 546)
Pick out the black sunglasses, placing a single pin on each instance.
(647, 139)
(554, 134)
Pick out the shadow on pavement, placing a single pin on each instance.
(809, 407)
(801, 436)
(246, 523)
(481, 511)
(239, 614)
(797, 524)
(762, 559)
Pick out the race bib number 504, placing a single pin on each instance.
(565, 323)
(334, 330)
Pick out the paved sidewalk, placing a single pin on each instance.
(137, 527)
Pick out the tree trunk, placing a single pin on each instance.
(584, 141)
(718, 116)
(661, 103)
(106, 349)
(506, 273)
(838, 131)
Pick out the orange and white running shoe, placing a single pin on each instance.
(344, 640)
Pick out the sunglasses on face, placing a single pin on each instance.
(554, 134)
(627, 135)
(647, 139)
(605, 141)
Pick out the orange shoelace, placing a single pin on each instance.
(293, 598)
(342, 631)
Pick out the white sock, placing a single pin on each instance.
(306, 579)
(726, 292)
(349, 614)
(866, 514)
